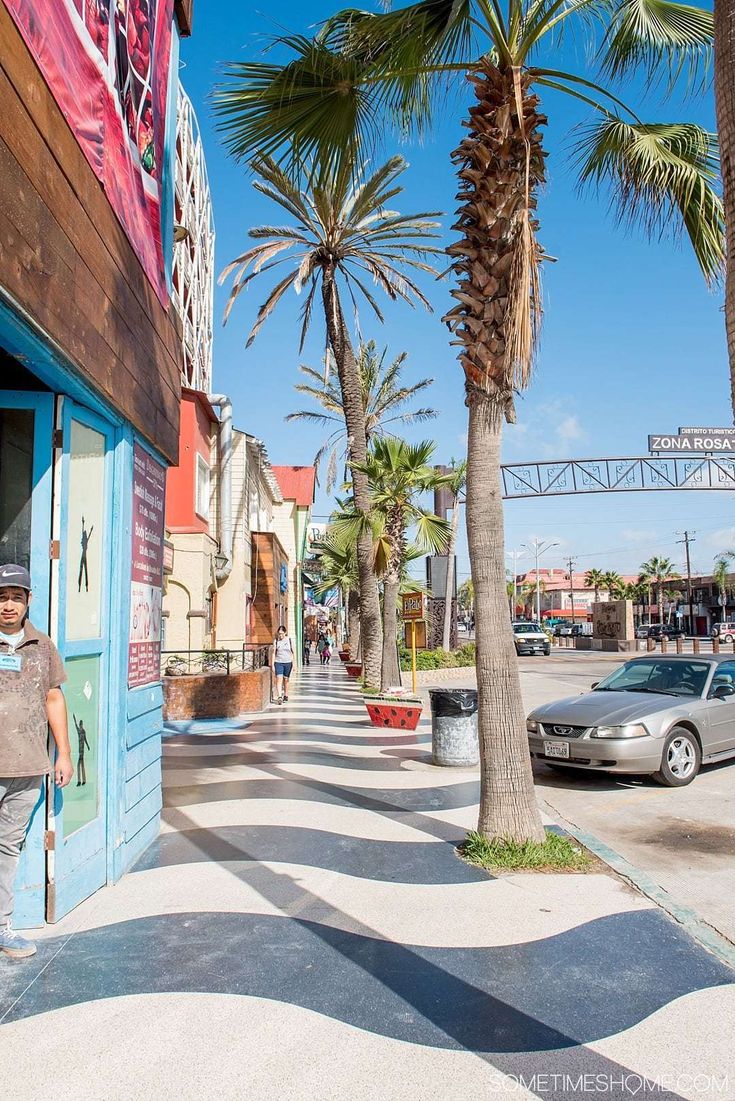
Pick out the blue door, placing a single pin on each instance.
(77, 860)
(26, 476)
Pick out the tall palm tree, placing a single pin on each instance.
(335, 93)
(384, 397)
(341, 233)
(466, 595)
(456, 486)
(399, 473)
(657, 571)
(724, 26)
(720, 575)
(595, 579)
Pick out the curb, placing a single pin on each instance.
(700, 930)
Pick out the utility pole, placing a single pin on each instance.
(537, 548)
(688, 538)
(570, 566)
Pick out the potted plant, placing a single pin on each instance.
(395, 709)
(175, 667)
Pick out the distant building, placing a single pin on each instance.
(292, 520)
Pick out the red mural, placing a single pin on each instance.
(107, 65)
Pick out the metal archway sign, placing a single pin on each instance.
(611, 475)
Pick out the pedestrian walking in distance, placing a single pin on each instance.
(31, 702)
(283, 653)
(321, 646)
(307, 651)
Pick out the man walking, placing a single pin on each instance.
(31, 701)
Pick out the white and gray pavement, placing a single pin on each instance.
(303, 929)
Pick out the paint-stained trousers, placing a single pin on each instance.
(18, 797)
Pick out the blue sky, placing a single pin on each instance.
(632, 341)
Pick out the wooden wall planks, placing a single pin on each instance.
(66, 259)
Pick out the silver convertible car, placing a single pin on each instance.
(663, 716)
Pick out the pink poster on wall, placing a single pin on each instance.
(107, 64)
(144, 648)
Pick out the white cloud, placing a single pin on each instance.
(635, 535)
(570, 429)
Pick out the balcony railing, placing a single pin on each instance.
(182, 663)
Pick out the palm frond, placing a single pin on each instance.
(660, 175)
(657, 36)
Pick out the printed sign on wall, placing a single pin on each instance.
(144, 650)
(107, 64)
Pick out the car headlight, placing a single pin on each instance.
(630, 730)
(531, 726)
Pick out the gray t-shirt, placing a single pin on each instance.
(282, 650)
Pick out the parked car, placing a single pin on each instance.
(642, 630)
(724, 631)
(662, 716)
(664, 630)
(530, 639)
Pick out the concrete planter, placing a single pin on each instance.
(354, 669)
(215, 696)
(395, 714)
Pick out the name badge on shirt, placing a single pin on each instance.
(10, 663)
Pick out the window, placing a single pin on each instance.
(202, 489)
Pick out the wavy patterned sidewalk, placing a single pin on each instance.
(304, 929)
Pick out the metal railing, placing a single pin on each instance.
(182, 663)
(683, 645)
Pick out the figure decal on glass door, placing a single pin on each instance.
(83, 569)
(83, 744)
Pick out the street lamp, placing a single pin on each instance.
(514, 555)
(537, 548)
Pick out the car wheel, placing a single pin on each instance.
(680, 759)
(728, 638)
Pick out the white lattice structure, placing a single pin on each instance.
(193, 266)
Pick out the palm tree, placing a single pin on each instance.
(466, 595)
(720, 576)
(595, 579)
(342, 233)
(338, 569)
(657, 571)
(383, 396)
(331, 98)
(398, 473)
(456, 485)
(724, 28)
(611, 580)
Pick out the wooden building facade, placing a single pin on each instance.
(269, 587)
(90, 368)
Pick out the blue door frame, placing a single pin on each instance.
(30, 890)
(78, 863)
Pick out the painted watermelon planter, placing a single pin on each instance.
(354, 669)
(394, 713)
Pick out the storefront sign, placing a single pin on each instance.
(144, 650)
(701, 440)
(413, 606)
(107, 65)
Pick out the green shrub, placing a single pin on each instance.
(557, 853)
(439, 658)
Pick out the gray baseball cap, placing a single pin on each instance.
(15, 576)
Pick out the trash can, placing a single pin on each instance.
(454, 727)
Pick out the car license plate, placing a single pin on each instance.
(556, 749)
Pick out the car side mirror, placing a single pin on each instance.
(594, 684)
(722, 692)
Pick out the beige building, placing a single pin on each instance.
(291, 522)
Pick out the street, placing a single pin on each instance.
(682, 838)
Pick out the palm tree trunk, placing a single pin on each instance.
(508, 807)
(390, 673)
(353, 612)
(354, 411)
(660, 603)
(449, 591)
(725, 104)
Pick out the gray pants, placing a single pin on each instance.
(18, 797)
